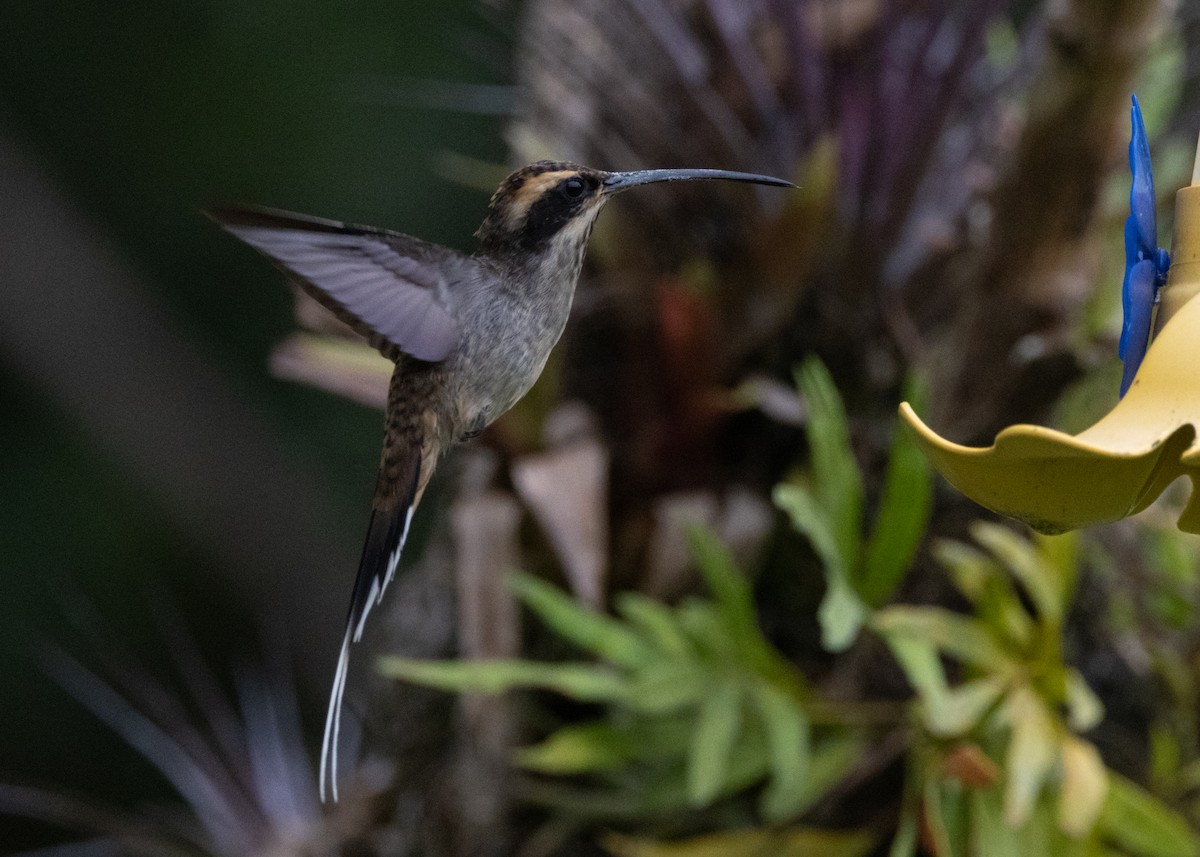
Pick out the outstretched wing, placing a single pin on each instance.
(387, 286)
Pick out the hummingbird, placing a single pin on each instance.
(469, 334)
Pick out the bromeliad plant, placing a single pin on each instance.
(696, 704)
(826, 505)
(1001, 765)
(696, 707)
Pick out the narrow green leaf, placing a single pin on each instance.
(585, 683)
(788, 741)
(669, 791)
(1084, 708)
(991, 835)
(728, 585)
(1060, 554)
(941, 818)
(589, 630)
(842, 612)
(830, 760)
(841, 615)
(667, 685)
(1142, 825)
(1021, 557)
(960, 708)
(754, 842)
(578, 749)
(990, 588)
(922, 667)
(717, 727)
(1033, 749)
(962, 637)
(811, 521)
(1084, 787)
(900, 524)
(904, 843)
(656, 622)
(968, 568)
(1003, 610)
(837, 481)
(708, 633)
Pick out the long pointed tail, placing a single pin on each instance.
(386, 535)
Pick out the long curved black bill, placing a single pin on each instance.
(621, 181)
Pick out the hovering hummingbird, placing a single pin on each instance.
(469, 334)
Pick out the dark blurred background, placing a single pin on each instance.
(147, 453)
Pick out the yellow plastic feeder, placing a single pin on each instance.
(1057, 482)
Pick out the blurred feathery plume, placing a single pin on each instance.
(238, 762)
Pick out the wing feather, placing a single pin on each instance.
(389, 287)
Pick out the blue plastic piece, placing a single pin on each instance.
(1146, 263)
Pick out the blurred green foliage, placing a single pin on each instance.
(698, 707)
(861, 568)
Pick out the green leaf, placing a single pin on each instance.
(1039, 578)
(830, 760)
(990, 588)
(790, 842)
(728, 585)
(842, 612)
(708, 633)
(991, 834)
(960, 708)
(788, 741)
(969, 569)
(1084, 787)
(717, 727)
(919, 659)
(589, 630)
(667, 686)
(1084, 708)
(841, 615)
(669, 791)
(1142, 825)
(585, 683)
(1060, 554)
(580, 749)
(943, 816)
(962, 637)
(904, 507)
(836, 479)
(1032, 752)
(656, 622)
(904, 843)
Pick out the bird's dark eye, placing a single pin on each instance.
(573, 188)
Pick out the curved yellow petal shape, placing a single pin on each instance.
(1056, 482)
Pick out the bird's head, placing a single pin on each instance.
(554, 203)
